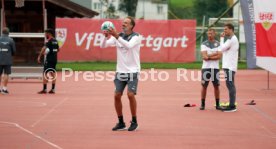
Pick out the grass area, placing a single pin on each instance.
(111, 66)
(88, 66)
(181, 3)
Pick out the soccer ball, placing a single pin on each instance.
(106, 25)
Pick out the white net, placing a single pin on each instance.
(220, 24)
(19, 3)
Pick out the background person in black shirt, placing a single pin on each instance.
(50, 51)
(7, 50)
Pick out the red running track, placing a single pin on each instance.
(81, 115)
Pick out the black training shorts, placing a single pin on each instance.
(6, 69)
(208, 74)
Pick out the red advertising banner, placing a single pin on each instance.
(163, 41)
(266, 41)
(265, 24)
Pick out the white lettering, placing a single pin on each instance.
(64, 75)
(88, 76)
(167, 42)
(182, 73)
(183, 41)
(99, 75)
(157, 42)
(176, 42)
(89, 38)
(98, 39)
(149, 38)
(78, 40)
(142, 39)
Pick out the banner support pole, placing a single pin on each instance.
(268, 88)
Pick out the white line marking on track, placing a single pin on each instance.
(31, 133)
(269, 132)
(23, 103)
(263, 114)
(49, 112)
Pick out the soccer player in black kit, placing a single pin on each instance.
(49, 50)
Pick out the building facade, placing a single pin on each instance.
(27, 24)
(146, 9)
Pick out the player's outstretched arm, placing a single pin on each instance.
(108, 41)
(134, 41)
(127, 44)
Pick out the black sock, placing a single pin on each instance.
(121, 119)
(44, 86)
(203, 102)
(134, 119)
(53, 86)
(217, 103)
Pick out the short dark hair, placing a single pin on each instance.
(132, 21)
(6, 31)
(50, 31)
(211, 29)
(229, 25)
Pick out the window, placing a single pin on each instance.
(97, 6)
(159, 9)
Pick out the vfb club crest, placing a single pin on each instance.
(61, 34)
(267, 19)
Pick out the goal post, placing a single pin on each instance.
(26, 35)
(26, 71)
(220, 24)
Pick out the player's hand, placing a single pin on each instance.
(113, 32)
(38, 60)
(222, 34)
(205, 58)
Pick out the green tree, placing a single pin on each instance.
(210, 9)
(182, 9)
(128, 6)
(110, 12)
